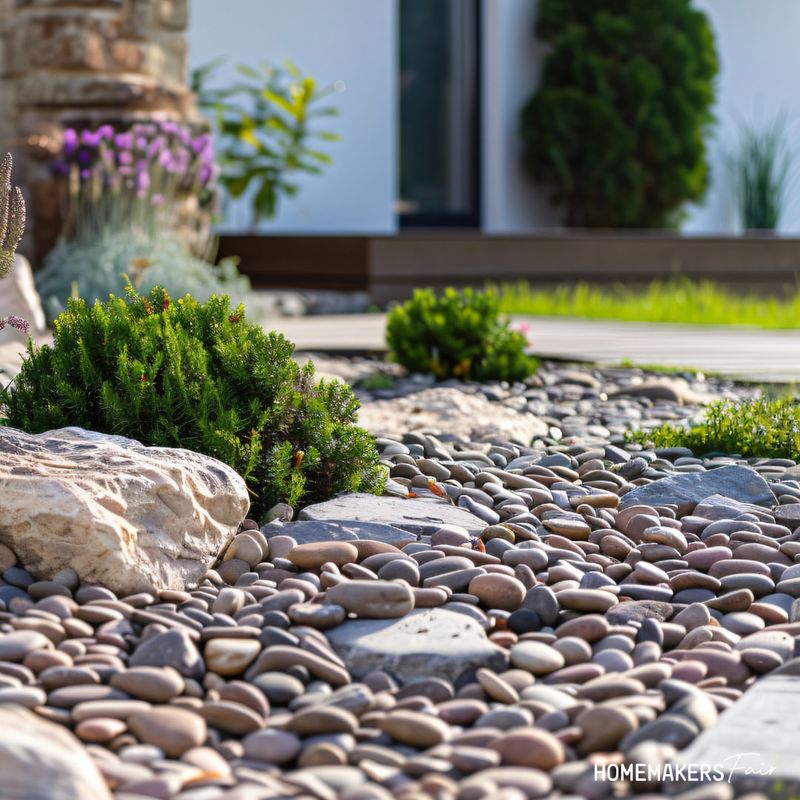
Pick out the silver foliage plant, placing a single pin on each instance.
(12, 226)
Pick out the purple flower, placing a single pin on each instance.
(125, 157)
(206, 173)
(123, 141)
(156, 146)
(86, 174)
(70, 141)
(142, 182)
(84, 157)
(90, 138)
(157, 199)
(166, 160)
(106, 132)
(59, 168)
(141, 142)
(15, 322)
(199, 144)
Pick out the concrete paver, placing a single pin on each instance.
(746, 353)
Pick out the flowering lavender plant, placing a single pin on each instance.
(150, 159)
(138, 207)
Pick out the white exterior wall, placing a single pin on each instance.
(512, 59)
(759, 59)
(353, 41)
(759, 64)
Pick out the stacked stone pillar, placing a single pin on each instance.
(83, 63)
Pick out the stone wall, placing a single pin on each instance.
(79, 63)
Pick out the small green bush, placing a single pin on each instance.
(765, 428)
(182, 374)
(457, 335)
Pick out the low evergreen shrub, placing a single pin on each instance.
(457, 335)
(198, 376)
(762, 427)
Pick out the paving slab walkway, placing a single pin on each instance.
(746, 353)
(755, 741)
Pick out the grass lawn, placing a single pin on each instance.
(678, 300)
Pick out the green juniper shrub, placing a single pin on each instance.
(616, 126)
(459, 334)
(198, 376)
(761, 427)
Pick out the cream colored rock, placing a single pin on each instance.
(18, 296)
(442, 410)
(41, 759)
(131, 517)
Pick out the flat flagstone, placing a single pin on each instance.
(424, 643)
(755, 741)
(739, 483)
(416, 515)
(738, 352)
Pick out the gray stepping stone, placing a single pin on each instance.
(314, 530)
(416, 515)
(758, 737)
(425, 643)
(686, 490)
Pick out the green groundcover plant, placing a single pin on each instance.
(762, 427)
(616, 127)
(459, 334)
(201, 377)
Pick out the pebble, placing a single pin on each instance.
(536, 657)
(496, 590)
(372, 599)
(174, 730)
(415, 728)
(529, 747)
(229, 657)
(609, 629)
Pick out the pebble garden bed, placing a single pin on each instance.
(506, 616)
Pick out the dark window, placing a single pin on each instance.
(439, 156)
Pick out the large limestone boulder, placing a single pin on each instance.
(131, 517)
(40, 761)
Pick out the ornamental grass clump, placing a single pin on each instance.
(457, 335)
(198, 376)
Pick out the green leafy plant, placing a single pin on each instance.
(198, 376)
(458, 335)
(762, 427)
(265, 126)
(616, 127)
(761, 175)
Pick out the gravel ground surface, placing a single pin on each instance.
(509, 615)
